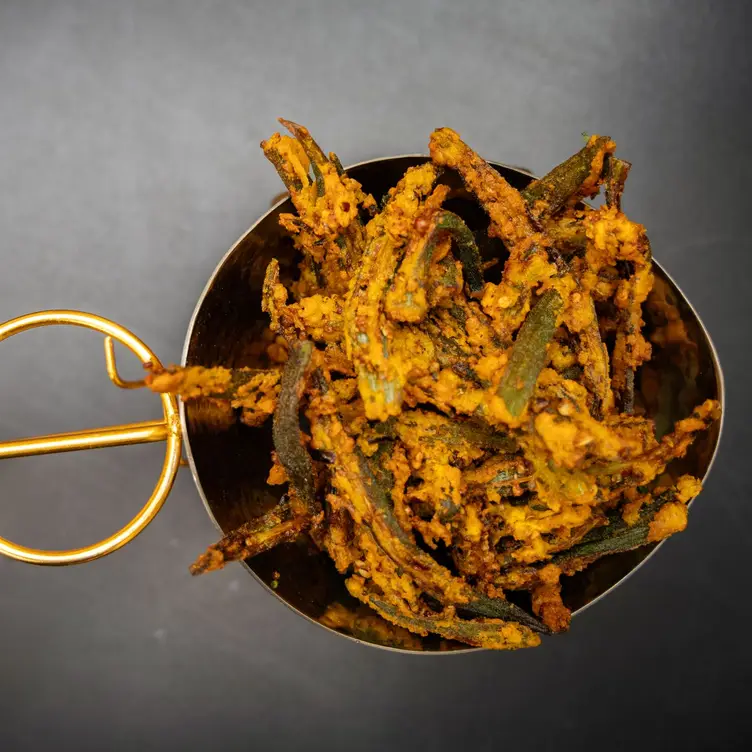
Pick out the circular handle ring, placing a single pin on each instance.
(171, 426)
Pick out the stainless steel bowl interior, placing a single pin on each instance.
(230, 466)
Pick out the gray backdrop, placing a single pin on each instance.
(129, 163)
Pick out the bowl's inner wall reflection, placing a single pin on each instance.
(232, 465)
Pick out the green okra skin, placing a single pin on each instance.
(564, 183)
(335, 160)
(286, 433)
(480, 634)
(617, 536)
(465, 248)
(313, 152)
(376, 464)
(529, 353)
(292, 182)
(413, 270)
(310, 147)
(616, 171)
(319, 178)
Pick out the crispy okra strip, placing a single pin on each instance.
(617, 536)
(547, 601)
(335, 160)
(273, 296)
(381, 378)
(502, 475)
(313, 151)
(657, 519)
(615, 240)
(283, 166)
(593, 357)
(529, 353)
(647, 465)
(630, 351)
(575, 178)
(280, 525)
(327, 228)
(310, 147)
(627, 393)
(617, 171)
(482, 633)
(407, 299)
(241, 387)
(453, 432)
(288, 438)
(505, 206)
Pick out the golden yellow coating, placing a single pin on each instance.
(466, 438)
(669, 519)
(612, 237)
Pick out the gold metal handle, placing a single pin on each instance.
(167, 429)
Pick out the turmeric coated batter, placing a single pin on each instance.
(464, 439)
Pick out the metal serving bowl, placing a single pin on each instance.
(230, 466)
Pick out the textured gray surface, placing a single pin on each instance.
(129, 163)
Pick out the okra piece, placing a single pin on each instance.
(335, 160)
(627, 394)
(280, 525)
(529, 353)
(448, 223)
(235, 385)
(482, 634)
(380, 379)
(617, 536)
(596, 374)
(453, 431)
(313, 152)
(407, 299)
(286, 433)
(303, 135)
(292, 182)
(576, 177)
(505, 206)
(376, 461)
(617, 171)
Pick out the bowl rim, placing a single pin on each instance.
(194, 472)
